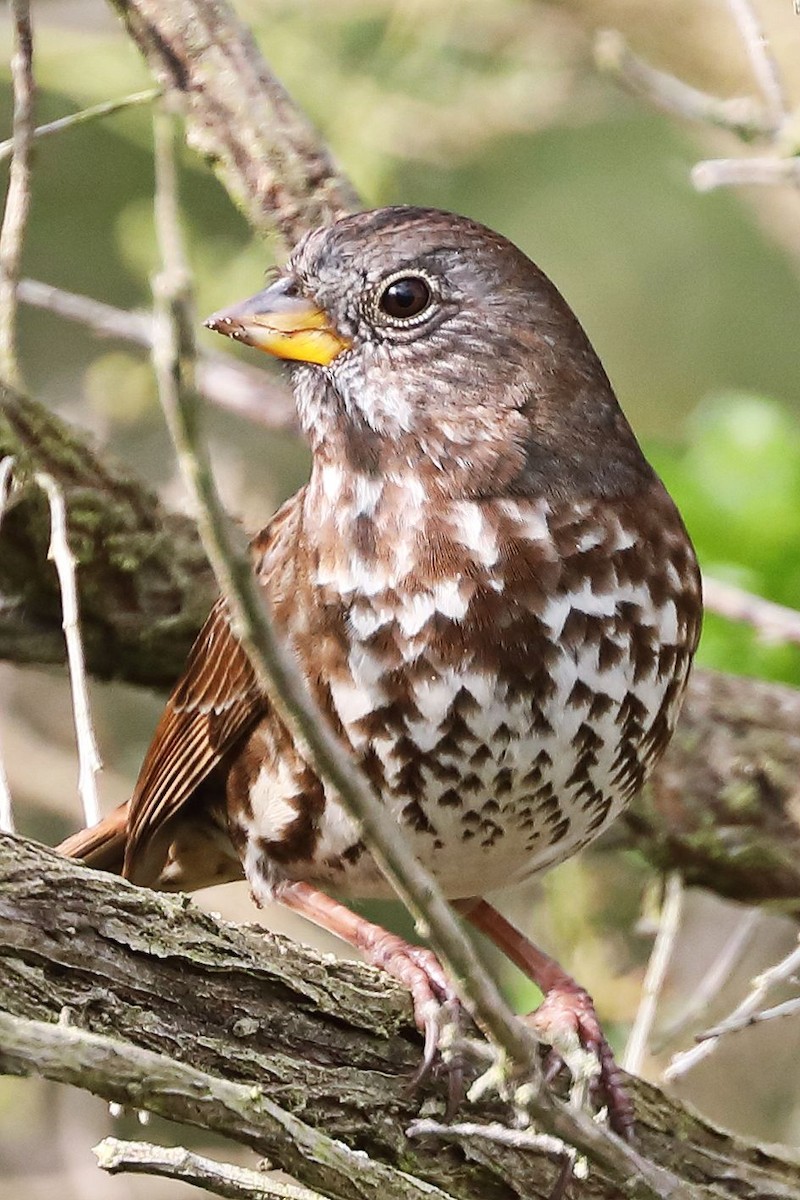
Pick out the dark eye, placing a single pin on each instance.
(405, 297)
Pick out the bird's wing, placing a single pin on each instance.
(213, 705)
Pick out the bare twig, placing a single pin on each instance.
(236, 387)
(788, 1008)
(741, 115)
(106, 109)
(660, 958)
(64, 560)
(765, 171)
(715, 977)
(765, 68)
(18, 197)
(6, 810)
(103, 319)
(502, 1135)
(739, 1018)
(223, 1179)
(773, 622)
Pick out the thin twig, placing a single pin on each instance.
(765, 171)
(223, 1179)
(704, 993)
(278, 674)
(740, 115)
(502, 1135)
(106, 109)
(762, 985)
(18, 197)
(788, 1008)
(6, 810)
(573, 1165)
(236, 387)
(765, 68)
(660, 958)
(103, 319)
(773, 622)
(61, 555)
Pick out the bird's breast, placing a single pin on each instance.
(506, 672)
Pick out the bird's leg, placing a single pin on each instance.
(416, 968)
(566, 1008)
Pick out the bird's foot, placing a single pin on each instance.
(566, 1020)
(438, 1012)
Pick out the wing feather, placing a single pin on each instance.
(213, 705)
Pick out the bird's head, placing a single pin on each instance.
(421, 337)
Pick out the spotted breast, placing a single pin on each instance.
(506, 671)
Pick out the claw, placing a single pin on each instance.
(430, 1031)
(566, 1016)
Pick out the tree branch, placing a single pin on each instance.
(722, 805)
(238, 116)
(18, 197)
(223, 1179)
(276, 1046)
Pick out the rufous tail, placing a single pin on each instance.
(102, 846)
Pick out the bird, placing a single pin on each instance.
(490, 594)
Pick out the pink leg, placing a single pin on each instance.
(566, 1006)
(416, 968)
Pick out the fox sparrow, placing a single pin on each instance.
(489, 592)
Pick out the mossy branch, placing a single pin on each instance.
(145, 584)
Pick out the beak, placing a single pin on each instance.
(282, 323)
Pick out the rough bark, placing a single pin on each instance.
(242, 1032)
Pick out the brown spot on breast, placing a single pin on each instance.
(414, 816)
(580, 696)
(610, 654)
(601, 704)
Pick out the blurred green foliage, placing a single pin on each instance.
(738, 480)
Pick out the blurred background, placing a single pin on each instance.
(497, 111)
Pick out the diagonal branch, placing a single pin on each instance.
(223, 1179)
(238, 116)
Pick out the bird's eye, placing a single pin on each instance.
(405, 297)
